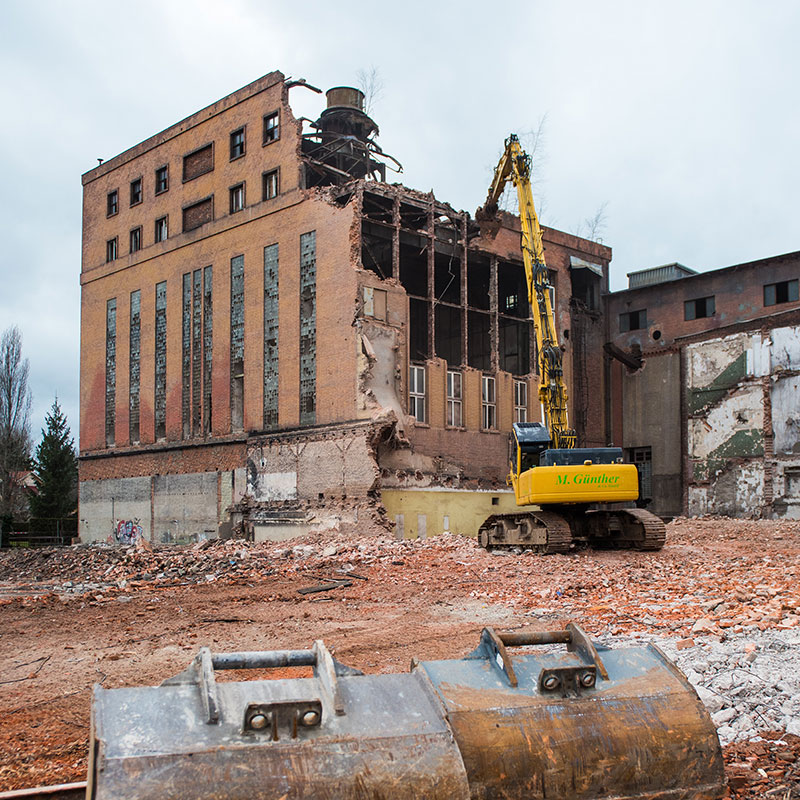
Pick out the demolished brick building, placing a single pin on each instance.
(273, 333)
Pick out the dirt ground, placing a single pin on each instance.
(75, 617)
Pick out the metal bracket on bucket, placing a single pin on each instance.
(326, 669)
(271, 718)
(565, 679)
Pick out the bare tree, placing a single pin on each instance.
(593, 227)
(371, 84)
(15, 430)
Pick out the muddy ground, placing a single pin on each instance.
(75, 617)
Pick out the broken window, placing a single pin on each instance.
(186, 356)
(198, 214)
(699, 308)
(416, 392)
(136, 191)
(479, 342)
(446, 274)
(270, 184)
(308, 328)
(237, 143)
(208, 346)
(236, 198)
(111, 249)
(377, 248)
(783, 292)
(413, 218)
(512, 290)
(447, 325)
(160, 405)
(488, 403)
(162, 179)
(454, 399)
(272, 128)
(520, 401)
(377, 207)
(414, 263)
(586, 279)
(271, 336)
(161, 230)
(478, 281)
(111, 370)
(198, 162)
(134, 356)
(237, 343)
(136, 240)
(418, 343)
(633, 321)
(642, 457)
(514, 346)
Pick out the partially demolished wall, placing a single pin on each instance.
(743, 424)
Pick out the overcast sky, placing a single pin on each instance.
(680, 119)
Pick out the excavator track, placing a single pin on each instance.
(540, 531)
(654, 532)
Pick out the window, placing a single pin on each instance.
(488, 403)
(642, 457)
(520, 401)
(237, 143)
(270, 188)
(162, 180)
(136, 239)
(272, 129)
(416, 392)
(698, 309)
(237, 197)
(198, 214)
(111, 249)
(633, 321)
(198, 162)
(112, 203)
(161, 230)
(783, 292)
(454, 415)
(136, 191)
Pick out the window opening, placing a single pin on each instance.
(782, 292)
(112, 203)
(111, 370)
(699, 308)
(454, 400)
(448, 334)
(136, 191)
(111, 249)
(270, 187)
(134, 344)
(236, 198)
(416, 392)
(161, 230)
(633, 321)
(136, 240)
(162, 180)
(488, 403)
(198, 162)
(271, 128)
(237, 143)
(520, 401)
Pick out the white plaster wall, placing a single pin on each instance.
(785, 395)
(742, 410)
(785, 348)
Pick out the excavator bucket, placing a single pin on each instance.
(492, 725)
(339, 734)
(576, 725)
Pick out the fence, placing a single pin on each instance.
(38, 532)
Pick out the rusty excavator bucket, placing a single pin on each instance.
(586, 723)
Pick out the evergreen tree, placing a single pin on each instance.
(55, 470)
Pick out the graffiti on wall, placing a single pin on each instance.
(127, 531)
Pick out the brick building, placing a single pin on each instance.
(272, 333)
(704, 378)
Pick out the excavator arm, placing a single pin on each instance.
(515, 165)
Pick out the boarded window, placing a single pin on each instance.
(271, 336)
(308, 328)
(198, 214)
(111, 369)
(198, 163)
(160, 405)
(134, 365)
(237, 343)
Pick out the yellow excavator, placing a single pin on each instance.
(581, 492)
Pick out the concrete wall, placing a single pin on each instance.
(174, 509)
(651, 410)
(419, 513)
